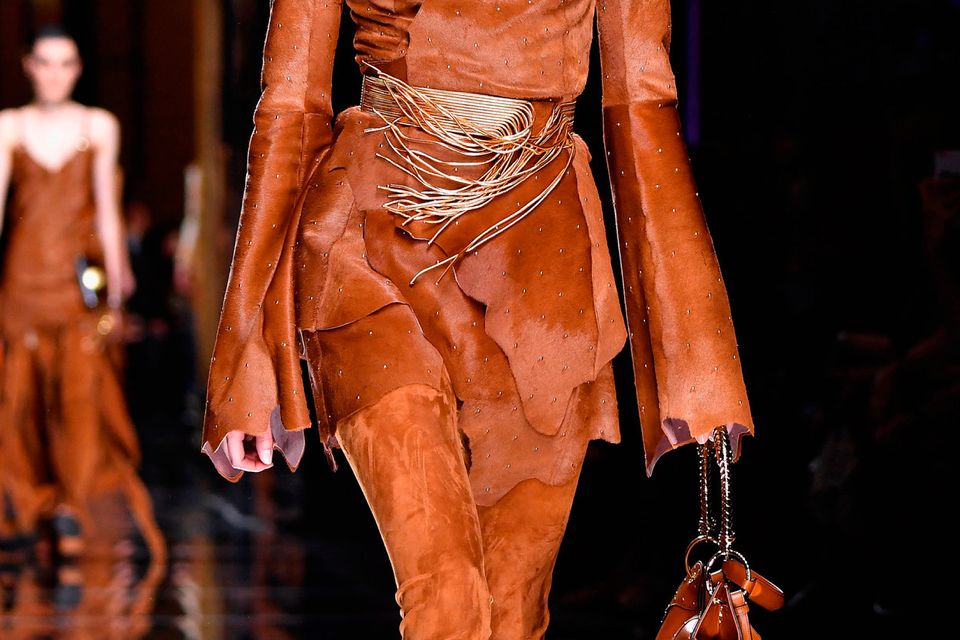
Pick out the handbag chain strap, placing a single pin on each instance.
(705, 525)
(724, 460)
(720, 448)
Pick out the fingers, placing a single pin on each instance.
(265, 448)
(258, 460)
(234, 447)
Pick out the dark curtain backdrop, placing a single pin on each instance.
(138, 63)
(812, 128)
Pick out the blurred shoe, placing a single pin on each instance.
(16, 549)
(68, 532)
(67, 593)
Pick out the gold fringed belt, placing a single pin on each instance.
(492, 132)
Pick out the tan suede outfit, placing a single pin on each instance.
(464, 403)
(64, 426)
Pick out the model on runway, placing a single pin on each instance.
(438, 255)
(64, 427)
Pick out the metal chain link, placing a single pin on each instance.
(706, 522)
(719, 447)
(723, 453)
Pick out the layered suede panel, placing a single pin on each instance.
(256, 362)
(526, 325)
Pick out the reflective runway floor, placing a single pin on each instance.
(289, 556)
(262, 559)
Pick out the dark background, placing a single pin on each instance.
(813, 128)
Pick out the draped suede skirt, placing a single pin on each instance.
(524, 326)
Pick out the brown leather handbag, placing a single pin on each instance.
(713, 604)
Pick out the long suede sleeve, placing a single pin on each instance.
(685, 354)
(255, 382)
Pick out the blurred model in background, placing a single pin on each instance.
(64, 427)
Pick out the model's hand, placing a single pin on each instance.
(249, 453)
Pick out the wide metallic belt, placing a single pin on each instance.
(493, 133)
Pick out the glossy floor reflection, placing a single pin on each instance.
(297, 556)
(290, 556)
(262, 559)
(109, 592)
(231, 575)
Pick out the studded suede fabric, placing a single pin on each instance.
(525, 326)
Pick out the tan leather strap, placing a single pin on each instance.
(760, 589)
(738, 603)
(494, 134)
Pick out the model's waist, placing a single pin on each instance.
(485, 111)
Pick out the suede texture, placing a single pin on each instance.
(465, 404)
(529, 323)
(462, 571)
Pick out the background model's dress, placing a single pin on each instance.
(64, 427)
(526, 325)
